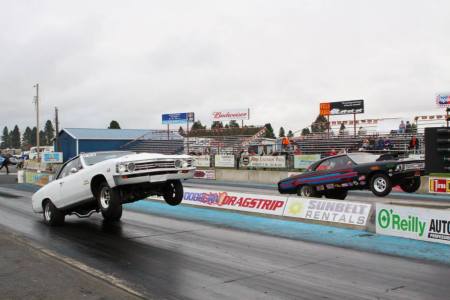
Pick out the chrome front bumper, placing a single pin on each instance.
(136, 178)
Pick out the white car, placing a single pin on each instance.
(103, 181)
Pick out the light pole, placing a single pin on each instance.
(36, 101)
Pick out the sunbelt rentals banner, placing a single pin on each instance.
(432, 225)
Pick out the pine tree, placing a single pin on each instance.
(269, 131)
(42, 140)
(197, 125)
(33, 136)
(15, 138)
(49, 132)
(281, 133)
(114, 125)
(320, 124)
(26, 138)
(217, 125)
(305, 131)
(290, 134)
(5, 138)
(233, 124)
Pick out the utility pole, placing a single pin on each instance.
(36, 101)
(56, 130)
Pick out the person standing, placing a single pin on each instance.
(402, 127)
(4, 162)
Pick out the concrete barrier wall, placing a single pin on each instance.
(256, 176)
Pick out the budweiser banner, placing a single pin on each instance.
(234, 114)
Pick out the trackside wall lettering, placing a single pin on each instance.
(353, 213)
(413, 222)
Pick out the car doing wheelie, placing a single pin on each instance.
(103, 181)
(333, 176)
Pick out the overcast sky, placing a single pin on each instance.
(134, 60)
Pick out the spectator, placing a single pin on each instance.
(362, 131)
(297, 150)
(408, 127)
(402, 127)
(414, 143)
(332, 152)
(4, 162)
(380, 144)
(365, 145)
(285, 143)
(388, 144)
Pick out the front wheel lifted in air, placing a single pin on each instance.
(173, 192)
(52, 215)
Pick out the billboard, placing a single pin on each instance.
(264, 161)
(178, 118)
(52, 157)
(426, 224)
(234, 114)
(342, 108)
(443, 100)
(303, 161)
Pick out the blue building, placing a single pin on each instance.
(73, 141)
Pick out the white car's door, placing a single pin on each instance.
(72, 183)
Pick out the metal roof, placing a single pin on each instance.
(117, 134)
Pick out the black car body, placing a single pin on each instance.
(334, 176)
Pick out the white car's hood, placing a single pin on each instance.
(149, 156)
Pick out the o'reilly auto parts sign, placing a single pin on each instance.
(418, 223)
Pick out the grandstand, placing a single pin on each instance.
(324, 144)
(157, 141)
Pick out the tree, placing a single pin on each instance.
(5, 138)
(269, 131)
(233, 124)
(281, 132)
(217, 125)
(26, 138)
(33, 136)
(15, 137)
(114, 125)
(49, 132)
(320, 124)
(181, 131)
(197, 125)
(290, 134)
(42, 140)
(306, 131)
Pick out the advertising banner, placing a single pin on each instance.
(345, 212)
(202, 161)
(432, 225)
(40, 179)
(439, 185)
(224, 161)
(52, 157)
(443, 100)
(266, 204)
(177, 118)
(205, 174)
(264, 161)
(233, 114)
(342, 107)
(305, 160)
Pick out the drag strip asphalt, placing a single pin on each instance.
(172, 258)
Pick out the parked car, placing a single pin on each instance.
(333, 176)
(103, 181)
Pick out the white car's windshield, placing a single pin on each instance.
(96, 157)
(363, 158)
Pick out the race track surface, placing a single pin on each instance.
(168, 258)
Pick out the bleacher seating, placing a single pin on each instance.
(156, 146)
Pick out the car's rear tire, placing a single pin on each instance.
(380, 185)
(52, 215)
(308, 191)
(339, 195)
(109, 202)
(410, 185)
(173, 192)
